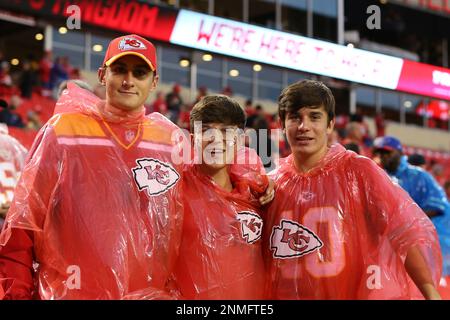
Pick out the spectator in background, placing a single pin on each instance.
(341, 121)
(258, 115)
(5, 77)
(201, 92)
(58, 74)
(422, 188)
(227, 91)
(184, 116)
(8, 114)
(27, 80)
(12, 158)
(380, 124)
(265, 146)
(45, 67)
(174, 103)
(248, 108)
(75, 74)
(437, 170)
(68, 68)
(418, 160)
(34, 121)
(355, 135)
(159, 105)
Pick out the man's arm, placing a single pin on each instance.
(16, 266)
(434, 201)
(419, 272)
(410, 232)
(26, 215)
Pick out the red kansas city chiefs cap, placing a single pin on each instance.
(134, 45)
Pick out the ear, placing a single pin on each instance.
(101, 72)
(155, 82)
(330, 126)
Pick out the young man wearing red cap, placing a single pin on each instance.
(97, 212)
(338, 227)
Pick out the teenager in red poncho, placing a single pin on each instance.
(220, 254)
(338, 227)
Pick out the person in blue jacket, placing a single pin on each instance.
(422, 188)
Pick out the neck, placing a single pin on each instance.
(219, 176)
(113, 113)
(305, 163)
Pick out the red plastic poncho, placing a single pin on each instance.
(12, 158)
(342, 231)
(221, 255)
(98, 207)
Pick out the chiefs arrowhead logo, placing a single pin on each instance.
(291, 239)
(131, 44)
(251, 226)
(155, 176)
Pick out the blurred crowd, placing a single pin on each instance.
(28, 93)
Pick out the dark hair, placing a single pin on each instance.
(416, 159)
(218, 109)
(353, 147)
(447, 184)
(305, 93)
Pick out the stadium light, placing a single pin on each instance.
(257, 67)
(62, 30)
(234, 73)
(97, 47)
(184, 62)
(39, 36)
(207, 57)
(15, 62)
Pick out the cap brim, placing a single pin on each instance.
(387, 148)
(120, 55)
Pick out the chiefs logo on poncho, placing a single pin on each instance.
(155, 176)
(292, 239)
(251, 226)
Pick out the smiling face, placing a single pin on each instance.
(307, 131)
(218, 143)
(128, 82)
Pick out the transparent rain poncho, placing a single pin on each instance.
(343, 231)
(98, 210)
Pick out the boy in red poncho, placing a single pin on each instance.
(98, 207)
(338, 227)
(220, 254)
